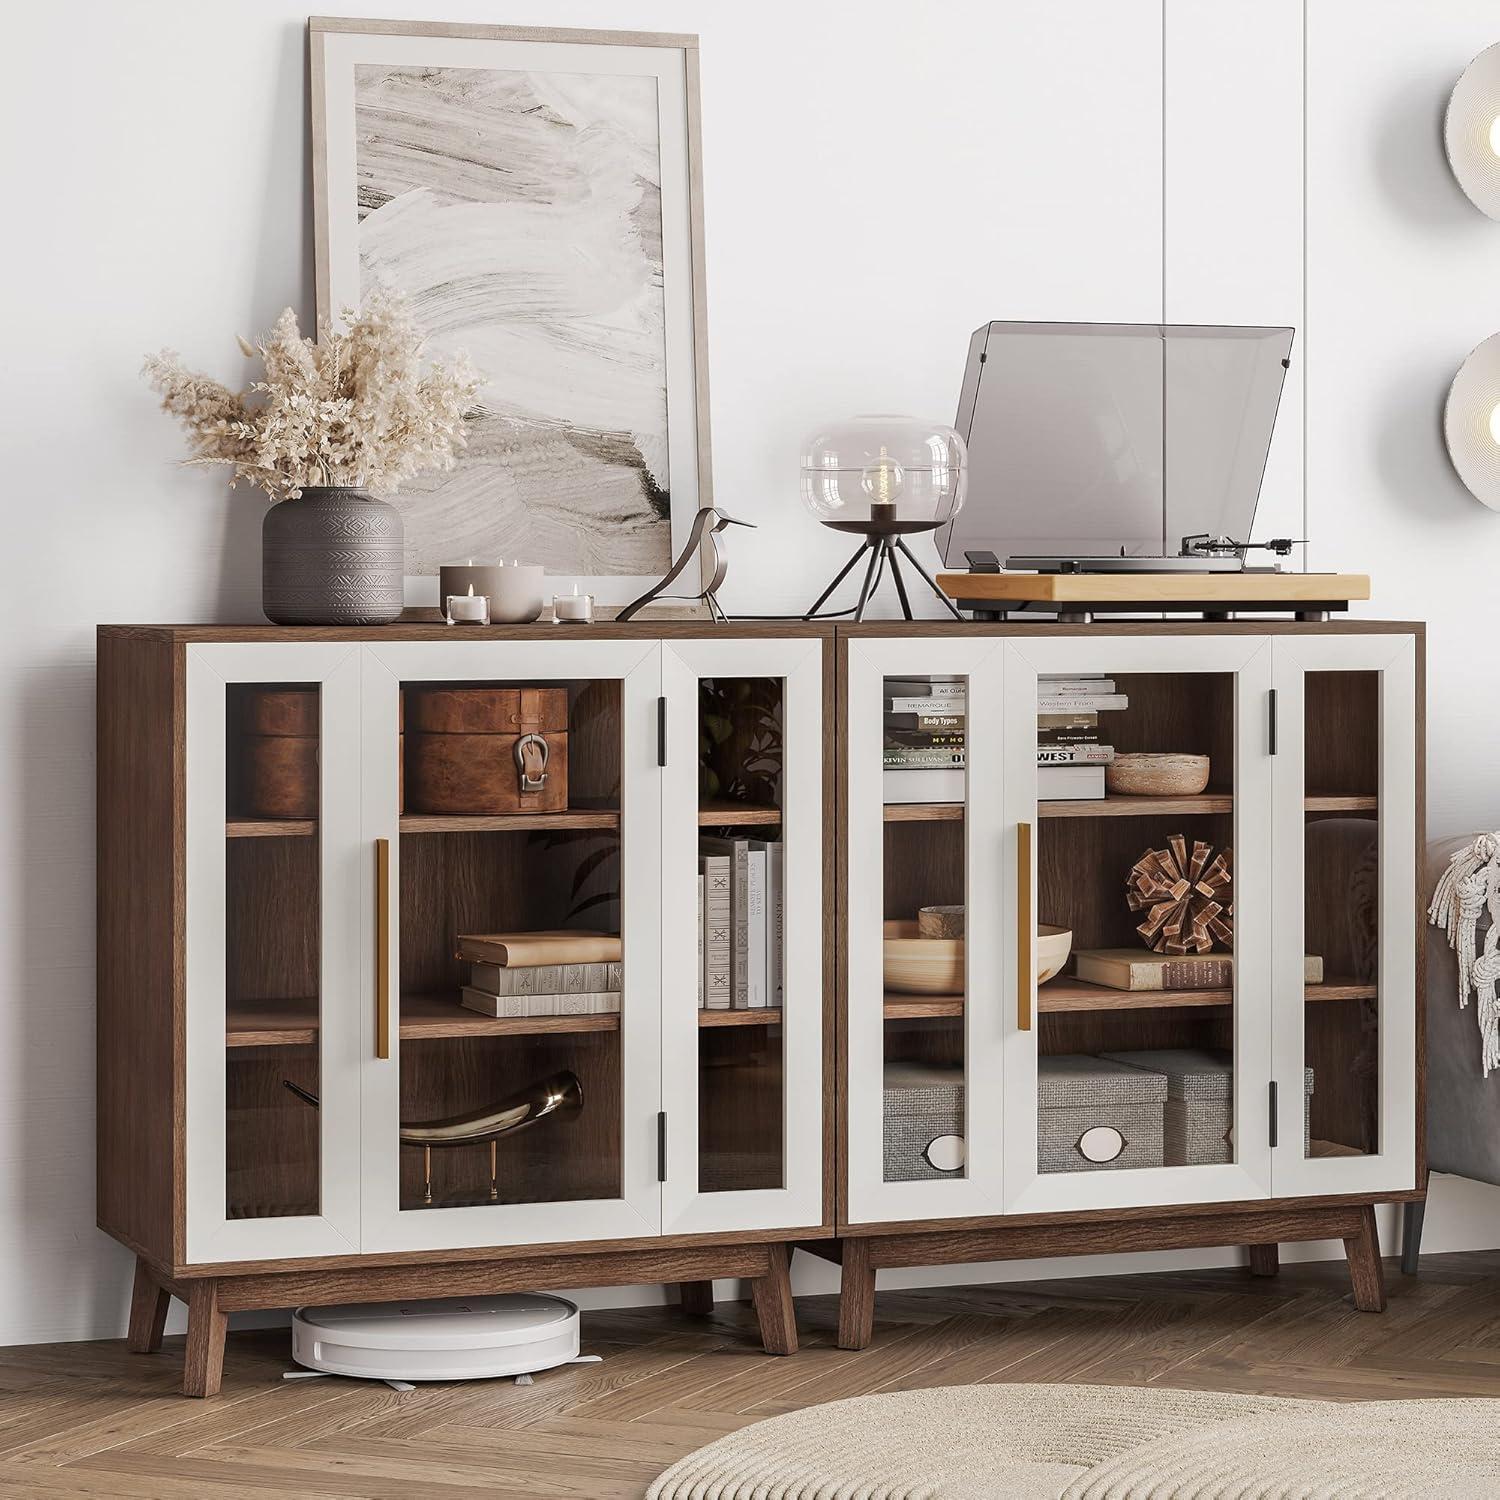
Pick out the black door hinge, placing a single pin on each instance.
(1271, 720)
(661, 1146)
(661, 731)
(1273, 1112)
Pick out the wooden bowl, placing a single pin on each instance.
(935, 966)
(922, 966)
(1053, 945)
(1156, 775)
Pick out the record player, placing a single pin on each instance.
(1117, 467)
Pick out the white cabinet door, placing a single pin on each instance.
(1345, 840)
(272, 951)
(925, 1030)
(586, 1170)
(742, 1063)
(1082, 1133)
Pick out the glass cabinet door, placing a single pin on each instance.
(1345, 772)
(1138, 1025)
(272, 950)
(512, 807)
(927, 940)
(742, 942)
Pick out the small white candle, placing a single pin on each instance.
(575, 608)
(468, 609)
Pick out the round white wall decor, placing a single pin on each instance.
(447, 1338)
(1471, 131)
(1471, 422)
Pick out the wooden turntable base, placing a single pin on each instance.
(1080, 596)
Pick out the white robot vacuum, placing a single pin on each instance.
(450, 1338)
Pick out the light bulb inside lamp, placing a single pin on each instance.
(1495, 422)
(882, 480)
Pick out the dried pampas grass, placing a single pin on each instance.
(358, 407)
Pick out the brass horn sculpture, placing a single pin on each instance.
(561, 1094)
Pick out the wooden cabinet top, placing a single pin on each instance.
(777, 629)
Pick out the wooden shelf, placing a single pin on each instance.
(1340, 804)
(922, 1007)
(771, 1016)
(1061, 995)
(569, 818)
(436, 1016)
(721, 810)
(270, 828)
(1119, 807)
(272, 1023)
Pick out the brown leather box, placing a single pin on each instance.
(278, 738)
(486, 750)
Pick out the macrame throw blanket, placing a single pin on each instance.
(1469, 887)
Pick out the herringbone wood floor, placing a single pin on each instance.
(93, 1420)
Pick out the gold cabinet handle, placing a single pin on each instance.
(1025, 927)
(382, 948)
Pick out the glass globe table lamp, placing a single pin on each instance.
(883, 478)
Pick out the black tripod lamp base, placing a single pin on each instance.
(884, 549)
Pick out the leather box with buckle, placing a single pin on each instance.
(486, 750)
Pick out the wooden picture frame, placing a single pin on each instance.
(561, 469)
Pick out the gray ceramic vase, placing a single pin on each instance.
(334, 556)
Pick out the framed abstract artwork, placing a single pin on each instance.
(537, 193)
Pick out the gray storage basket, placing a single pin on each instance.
(1198, 1125)
(1078, 1094)
(922, 1105)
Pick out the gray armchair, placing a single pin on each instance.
(1463, 1106)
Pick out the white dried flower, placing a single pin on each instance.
(359, 407)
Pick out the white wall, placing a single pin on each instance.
(158, 188)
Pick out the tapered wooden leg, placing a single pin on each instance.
(1365, 1271)
(697, 1297)
(774, 1308)
(148, 1311)
(203, 1368)
(1265, 1260)
(856, 1295)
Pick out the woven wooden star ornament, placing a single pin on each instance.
(1188, 898)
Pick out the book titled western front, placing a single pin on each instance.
(520, 949)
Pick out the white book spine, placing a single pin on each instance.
(700, 940)
(717, 960)
(755, 929)
(776, 922)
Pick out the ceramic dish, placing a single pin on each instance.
(935, 966)
(1156, 775)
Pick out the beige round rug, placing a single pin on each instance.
(1071, 1442)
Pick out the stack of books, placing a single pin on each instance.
(741, 914)
(923, 755)
(569, 973)
(1071, 752)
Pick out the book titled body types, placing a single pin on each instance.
(545, 979)
(599, 1003)
(718, 966)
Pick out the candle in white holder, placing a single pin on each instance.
(574, 608)
(467, 609)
